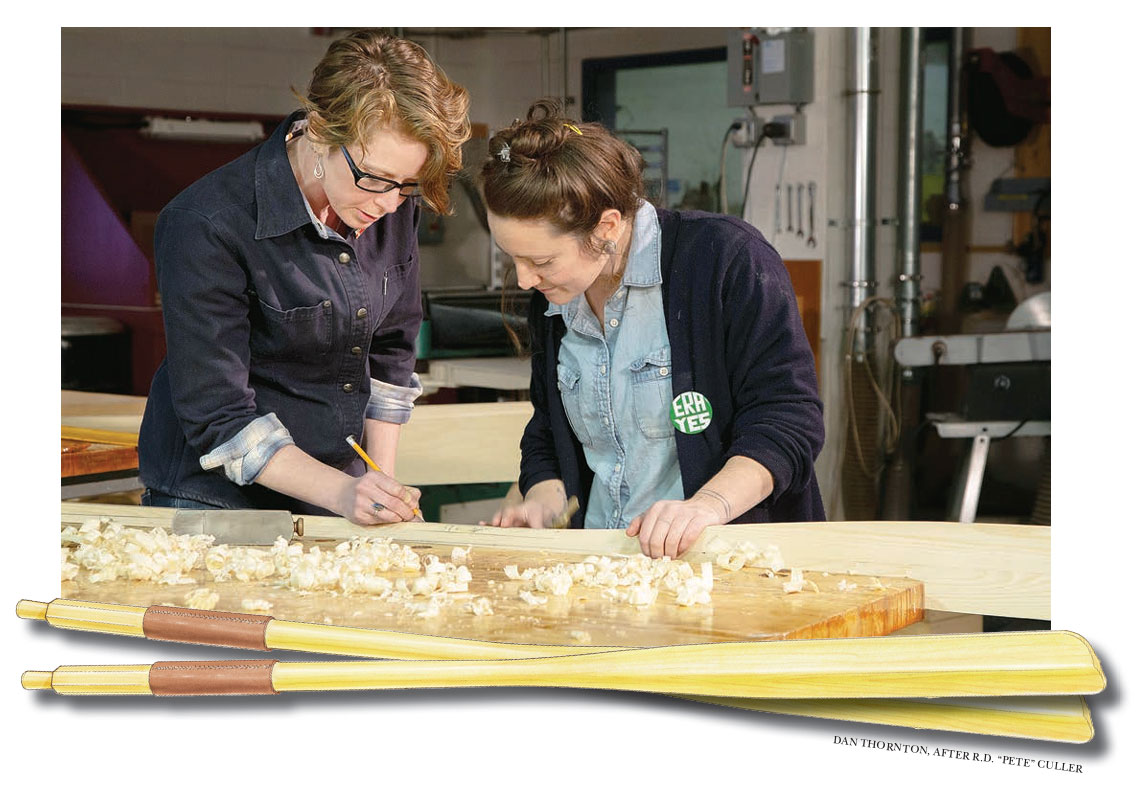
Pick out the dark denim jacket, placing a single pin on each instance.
(273, 332)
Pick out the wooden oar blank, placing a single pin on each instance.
(1026, 663)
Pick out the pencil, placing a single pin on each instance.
(364, 455)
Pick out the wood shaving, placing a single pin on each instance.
(109, 551)
(747, 554)
(531, 598)
(847, 586)
(256, 605)
(461, 556)
(797, 583)
(581, 637)
(480, 607)
(202, 598)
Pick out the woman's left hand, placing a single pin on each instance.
(669, 528)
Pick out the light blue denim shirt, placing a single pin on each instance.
(616, 387)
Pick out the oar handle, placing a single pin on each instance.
(231, 677)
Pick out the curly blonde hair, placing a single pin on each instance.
(371, 79)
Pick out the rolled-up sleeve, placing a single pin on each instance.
(206, 319)
(392, 403)
(779, 419)
(243, 457)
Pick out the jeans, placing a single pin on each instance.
(155, 498)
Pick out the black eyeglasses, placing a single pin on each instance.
(377, 185)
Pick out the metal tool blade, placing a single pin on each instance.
(238, 526)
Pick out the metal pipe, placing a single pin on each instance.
(907, 290)
(864, 119)
(955, 225)
(955, 155)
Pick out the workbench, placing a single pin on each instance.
(99, 443)
(900, 569)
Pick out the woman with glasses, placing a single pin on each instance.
(290, 290)
(673, 385)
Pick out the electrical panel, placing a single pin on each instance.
(771, 68)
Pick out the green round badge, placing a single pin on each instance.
(690, 412)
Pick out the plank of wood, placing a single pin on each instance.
(81, 402)
(90, 435)
(462, 443)
(971, 568)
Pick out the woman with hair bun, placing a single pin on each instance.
(672, 383)
(291, 302)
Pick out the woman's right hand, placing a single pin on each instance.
(377, 498)
(545, 501)
(528, 514)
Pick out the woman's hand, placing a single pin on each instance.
(545, 501)
(377, 498)
(669, 528)
(528, 514)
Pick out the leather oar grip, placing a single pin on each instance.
(228, 629)
(212, 678)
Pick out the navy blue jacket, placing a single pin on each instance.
(262, 315)
(737, 338)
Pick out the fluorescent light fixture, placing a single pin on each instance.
(202, 129)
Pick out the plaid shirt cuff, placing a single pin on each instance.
(392, 403)
(247, 453)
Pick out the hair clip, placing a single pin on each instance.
(571, 127)
(504, 153)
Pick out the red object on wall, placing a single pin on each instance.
(114, 182)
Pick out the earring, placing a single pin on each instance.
(609, 247)
(318, 170)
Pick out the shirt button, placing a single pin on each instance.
(664, 372)
(617, 467)
(347, 388)
(613, 322)
(326, 303)
(344, 257)
(363, 311)
(603, 369)
(357, 350)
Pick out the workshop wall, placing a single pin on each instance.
(249, 71)
(236, 70)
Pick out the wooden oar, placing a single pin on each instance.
(1026, 663)
(1062, 718)
(261, 632)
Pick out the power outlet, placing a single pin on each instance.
(746, 135)
(796, 125)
